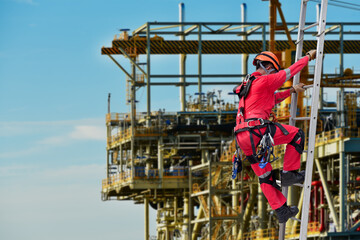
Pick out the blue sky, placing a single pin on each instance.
(53, 99)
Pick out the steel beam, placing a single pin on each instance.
(327, 194)
(121, 67)
(132, 61)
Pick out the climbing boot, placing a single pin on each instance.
(292, 177)
(285, 212)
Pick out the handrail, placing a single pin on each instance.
(142, 173)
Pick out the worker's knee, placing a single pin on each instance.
(268, 178)
(298, 141)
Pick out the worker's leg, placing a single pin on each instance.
(275, 198)
(295, 145)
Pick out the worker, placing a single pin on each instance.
(257, 98)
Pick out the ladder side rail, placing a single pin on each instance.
(313, 121)
(296, 79)
(298, 55)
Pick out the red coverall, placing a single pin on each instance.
(258, 104)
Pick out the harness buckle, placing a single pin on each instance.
(262, 122)
(259, 119)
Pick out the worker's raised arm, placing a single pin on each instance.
(275, 81)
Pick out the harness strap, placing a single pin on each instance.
(255, 133)
(281, 127)
(252, 159)
(299, 147)
(252, 143)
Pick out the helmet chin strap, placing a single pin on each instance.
(267, 71)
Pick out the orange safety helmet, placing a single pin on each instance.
(267, 57)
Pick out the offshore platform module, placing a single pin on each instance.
(180, 163)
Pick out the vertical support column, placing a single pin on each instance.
(200, 67)
(146, 213)
(160, 159)
(108, 138)
(209, 202)
(272, 25)
(235, 205)
(185, 228)
(244, 57)
(263, 37)
(341, 107)
(107, 163)
(182, 60)
(148, 52)
(121, 158)
(341, 35)
(342, 190)
(133, 119)
(327, 193)
(341, 70)
(242, 197)
(175, 210)
(190, 211)
(261, 208)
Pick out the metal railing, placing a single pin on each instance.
(142, 173)
(269, 234)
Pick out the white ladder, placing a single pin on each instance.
(314, 109)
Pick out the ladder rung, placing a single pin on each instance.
(297, 42)
(278, 182)
(308, 86)
(295, 219)
(310, 26)
(302, 118)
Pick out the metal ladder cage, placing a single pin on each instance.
(314, 109)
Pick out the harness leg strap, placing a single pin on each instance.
(299, 146)
(252, 159)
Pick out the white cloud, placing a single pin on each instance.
(45, 135)
(30, 127)
(89, 132)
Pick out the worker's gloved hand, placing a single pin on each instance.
(311, 54)
(298, 88)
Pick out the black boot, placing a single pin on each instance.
(291, 177)
(285, 212)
